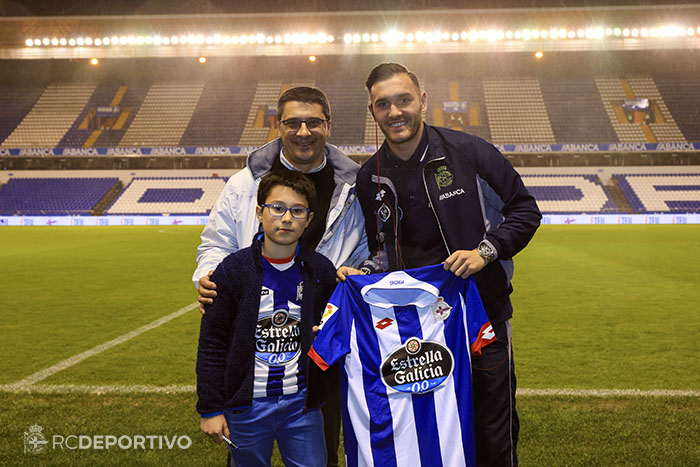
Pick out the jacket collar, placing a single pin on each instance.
(260, 161)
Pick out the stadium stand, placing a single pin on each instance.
(129, 99)
(348, 110)
(176, 195)
(682, 96)
(164, 115)
(217, 119)
(569, 193)
(36, 196)
(51, 117)
(661, 192)
(576, 111)
(517, 112)
(15, 103)
(664, 127)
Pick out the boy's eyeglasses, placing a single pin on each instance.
(311, 123)
(277, 210)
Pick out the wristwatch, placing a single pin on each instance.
(486, 251)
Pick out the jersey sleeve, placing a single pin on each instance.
(480, 331)
(333, 339)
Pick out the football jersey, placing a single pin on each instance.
(277, 332)
(405, 337)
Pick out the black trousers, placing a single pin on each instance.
(332, 414)
(495, 418)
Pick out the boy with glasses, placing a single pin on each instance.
(254, 381)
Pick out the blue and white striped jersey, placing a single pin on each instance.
(277, 333)
(405, 337)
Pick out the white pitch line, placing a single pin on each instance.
(45, 373)
(608, 392)
(107, 389)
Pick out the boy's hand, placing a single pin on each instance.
(207, 291)
(344, 271)
(215, 427)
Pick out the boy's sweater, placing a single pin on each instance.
(226, 354)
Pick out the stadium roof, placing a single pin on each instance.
(396, 31)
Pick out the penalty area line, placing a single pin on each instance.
(60, 366)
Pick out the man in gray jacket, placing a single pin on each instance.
(303, 115)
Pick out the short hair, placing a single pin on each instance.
(305, 94)
(293, 179)
(384, 71)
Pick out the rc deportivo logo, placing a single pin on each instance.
(417, 366)
(34, 441)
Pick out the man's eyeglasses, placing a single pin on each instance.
(277, 210)
(311, 123)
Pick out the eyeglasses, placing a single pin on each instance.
(278, 210)
(311, 123)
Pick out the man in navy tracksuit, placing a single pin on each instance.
(432, 195)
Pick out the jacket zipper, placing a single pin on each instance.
(432, 207)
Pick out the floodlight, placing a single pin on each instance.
(202, 60)
(269, 39)
(347, 38)
(80, 41)
(635, 32)
(71, 42)
(46, 41)
(94, 61)
(509, 35)
(410, 37)
(209, 40)
(54, 41)
(617, 32)
(165, 41)
(29, 42)
(278, 39)
(98, 42)
(312, 58)
(645, 32)
(131, 40)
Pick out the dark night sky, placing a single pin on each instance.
(125, 7)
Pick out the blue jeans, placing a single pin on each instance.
(299, 434)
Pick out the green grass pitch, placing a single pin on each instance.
(596, 307)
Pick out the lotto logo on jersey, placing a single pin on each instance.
(417, 366)
(330, 310)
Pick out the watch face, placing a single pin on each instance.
(485, 251)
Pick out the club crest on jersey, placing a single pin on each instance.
(441, 309)
(328, 312)
(384, 212)
(417, 366)
(443, 177)
(300, 291)
(277, 340)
